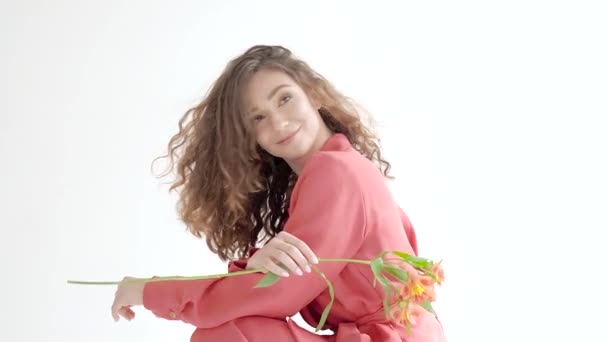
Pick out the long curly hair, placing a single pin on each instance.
(230, 190)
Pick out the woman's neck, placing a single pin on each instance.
(297, 165)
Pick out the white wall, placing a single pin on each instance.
(490, 111)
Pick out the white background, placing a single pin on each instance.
(492, 114)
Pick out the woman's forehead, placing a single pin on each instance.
(264, 85)
(264, 81)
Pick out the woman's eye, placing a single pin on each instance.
(285, 99)
(258, 118)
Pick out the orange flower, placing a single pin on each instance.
(418, 288)
(406, 313)
(437, 271)
(428, 292)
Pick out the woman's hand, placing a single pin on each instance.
(284, 249)
(127, 294)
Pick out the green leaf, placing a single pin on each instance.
(331, 301)
(388, 293)
(427, 305)
(271, 278)
(402, 255)
(409, 257)
(385, 303)
(268, 280)
(377, 265)
(385, 284)
(397, 273)
(415, 261)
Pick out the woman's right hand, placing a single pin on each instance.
(284, 249)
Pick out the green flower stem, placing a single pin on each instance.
(355, 261)
(332, 296)
(213, 276)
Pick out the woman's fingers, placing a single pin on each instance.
(302, 247)
(293, 259)
(126, 312)
(274, 268)
(116, 307)
(288, 261)
(120, 308)
(284, 254)
(115, 314)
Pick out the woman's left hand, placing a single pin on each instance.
(127, 294)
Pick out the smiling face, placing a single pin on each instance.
(286, 122)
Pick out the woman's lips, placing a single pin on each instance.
(289, 138)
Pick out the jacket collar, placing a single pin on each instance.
(336, 142)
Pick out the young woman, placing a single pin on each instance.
(275, 155)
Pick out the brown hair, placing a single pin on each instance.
(230, 189)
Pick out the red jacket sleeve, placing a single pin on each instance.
(241, 264)
(409, 230)
(328, 214)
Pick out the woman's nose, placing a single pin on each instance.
(279, 122)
